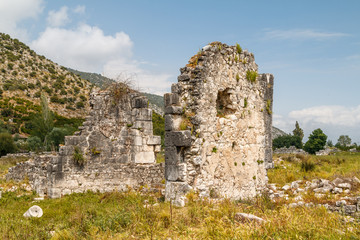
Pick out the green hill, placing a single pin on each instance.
(26, 76)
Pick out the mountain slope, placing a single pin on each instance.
(156, 102)
(25, 76)
(94, 78)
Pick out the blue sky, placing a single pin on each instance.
(311, 47)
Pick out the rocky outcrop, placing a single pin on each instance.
(218, 126)
(340, 191)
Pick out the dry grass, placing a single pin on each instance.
(134, 215)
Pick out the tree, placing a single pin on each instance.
(56, 137)
(43, 124)
(343, 141)
(287, 141)
(34, 143)
(316, 142)
(298, 131)
(330, 143)
(7, 144)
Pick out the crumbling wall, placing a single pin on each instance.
(218, 126)
(114, 149)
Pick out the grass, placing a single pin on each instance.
(326, 167)
(135, 215)
(251, 76)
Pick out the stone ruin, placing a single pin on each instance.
(217, 136)
(218, 126)
(115, 149)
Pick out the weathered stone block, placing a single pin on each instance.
(183, 77)
(171, 99)
(172, 156)
(143, 125)
(171, 172)
(176, 191)
(138, 141)
(178, 138)
(145, 157)
(72, 140)
(172, 122)
(153, 140)
(349, 209)
(54, 193)
(173, 110)
(66, 150)
(142, 114)
(139, 102)
(174, 88)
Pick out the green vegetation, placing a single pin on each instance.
(245, 102)
(137, 215)
(251, 76)
(268, 106)
(344, 143)
(78, 156)
(238, 48)
(7, 144)
(316, 142)
(24, 75)
(298, 131)
(326, 167)
(287, 141)
(159, 126)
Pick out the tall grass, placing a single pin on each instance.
(135, 215)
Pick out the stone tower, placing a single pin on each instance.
(218, 126)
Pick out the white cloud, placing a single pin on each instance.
(79, 9)
(58, 18)
(302, 34)
(14, 12)
(330, 115)
(87, 48)
(143, 80)
(333, 120)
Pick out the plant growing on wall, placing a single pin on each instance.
(268, 105)
(78, 156)
(251, 76)
(238, 48)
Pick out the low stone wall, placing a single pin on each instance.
(35, 170)
(290, 150)
(115, 149)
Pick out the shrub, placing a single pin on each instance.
(287, 141)
(56, 137)
(251, 76)
(268, 106)
(158, 126)
(307, 165)
(34, 143)
(238, 48)
(80, 105)
(7, 144)
(78, 157)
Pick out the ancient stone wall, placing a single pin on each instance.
(218, 126)
(115, 149)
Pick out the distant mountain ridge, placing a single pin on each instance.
(156, 102)
(95, 78)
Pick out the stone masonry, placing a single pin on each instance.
(115, 149)
(218, 120)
